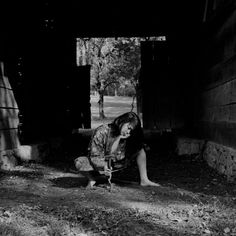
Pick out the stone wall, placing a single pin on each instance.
(219, 157)
(188, 146)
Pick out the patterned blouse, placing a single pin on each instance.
(100, 147)
(99, 151)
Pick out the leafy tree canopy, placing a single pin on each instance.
(115, 63)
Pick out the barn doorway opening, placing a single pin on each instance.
(115, 65)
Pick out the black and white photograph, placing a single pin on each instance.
(118, 118)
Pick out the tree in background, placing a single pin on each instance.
(102, 61)
(115, 63)
(128, 63)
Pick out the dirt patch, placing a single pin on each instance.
(45, 200)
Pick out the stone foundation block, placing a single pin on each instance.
(217, 156)
(188, 146)
(34, 152)
(221, 158)
(7, 160)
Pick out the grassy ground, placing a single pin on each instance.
(43, 199)
(113, 107)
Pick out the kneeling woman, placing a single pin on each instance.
(113, 146)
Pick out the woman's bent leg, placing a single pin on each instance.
(142, 166)
(84, 167)
(90, 177)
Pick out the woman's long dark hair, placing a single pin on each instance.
(135, 141)
(129, 117)
(133, 119)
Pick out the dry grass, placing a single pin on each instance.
(9, 230)
(113, 107)
(56, 203)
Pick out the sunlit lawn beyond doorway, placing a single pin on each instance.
(113, 107)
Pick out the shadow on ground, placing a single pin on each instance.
(31, 174)
(75, 182)
(69, 182)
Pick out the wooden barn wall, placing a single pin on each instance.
(8, 114)
(52, 92)
(153, 76)
(48, 66)
(218, 97)
(167, 91)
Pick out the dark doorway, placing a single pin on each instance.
(78, 92)
(158, 86)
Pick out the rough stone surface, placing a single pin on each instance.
(221, 158)
(34, 152)
(7, 160)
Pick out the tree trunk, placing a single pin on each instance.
(139, 104)
(101, 105)
(116, 94)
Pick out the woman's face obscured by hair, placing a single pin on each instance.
(126, 129)
(127, 124)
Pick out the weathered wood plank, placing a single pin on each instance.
(218, 96)
(9, 139)
(217, 99)
(225, 38)
(227, 29)
(216, 114)
(233, 91)
(232, 114)
(9, 118)
(222, 73)
(219, 103)
(222, 51)
(220, 114)
(4, 82)
(220, 132)
(7, 98)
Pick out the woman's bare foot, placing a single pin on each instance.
(149, 183)
(91, 184)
